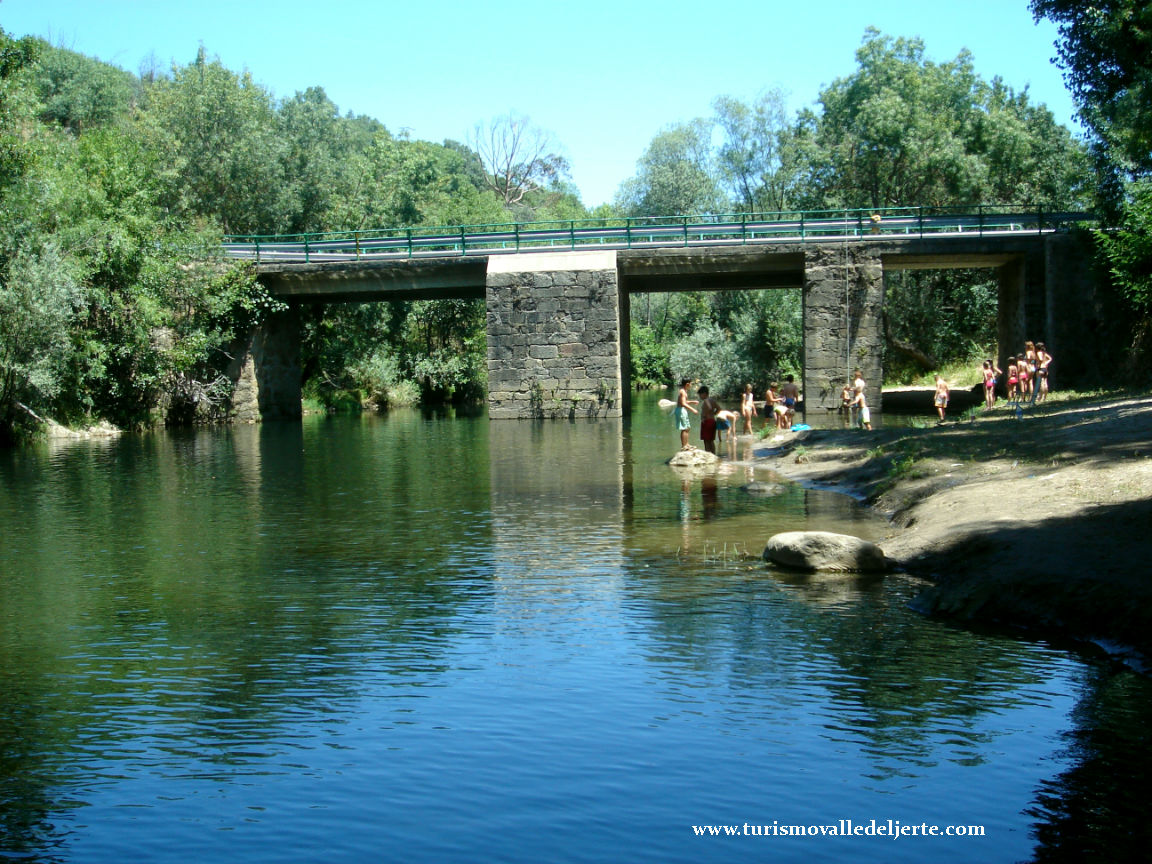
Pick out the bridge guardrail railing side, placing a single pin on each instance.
(648, 232)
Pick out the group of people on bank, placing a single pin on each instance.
(1027, 376)
(1027, 379)
(780, 403)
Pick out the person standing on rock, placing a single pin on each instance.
(708, 409)
(680, 414)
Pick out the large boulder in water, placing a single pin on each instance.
(823, 551)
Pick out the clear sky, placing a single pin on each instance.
(603, 76)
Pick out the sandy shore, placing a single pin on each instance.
(1042, 522)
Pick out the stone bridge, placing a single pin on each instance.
(558, 322)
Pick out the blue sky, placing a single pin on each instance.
(603, 77)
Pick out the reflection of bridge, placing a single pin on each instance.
(557, 294)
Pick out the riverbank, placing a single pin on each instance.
(1042, 522)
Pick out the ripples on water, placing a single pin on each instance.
(430, 639)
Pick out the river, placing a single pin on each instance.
(425, 637)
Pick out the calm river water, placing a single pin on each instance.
(431, 638)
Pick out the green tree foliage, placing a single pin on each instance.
(755, 334)
(903, 130)
(935, 317)
(39, 298)
(676, 175)
(761, 158)
(15, 57)
(217, 130)
(115, 191)
(1105, 49)
(78, 92)
(1128, 250)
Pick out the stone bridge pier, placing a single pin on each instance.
(265, 371)
(843, 323)
(555, 325)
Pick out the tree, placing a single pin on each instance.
(893, 133)
(15, 56)
(760, 156)
(1105, 49)
(39, 297)
(676, 176)
(315, 142)
(219, 131)
(78, 92)
(518, 157)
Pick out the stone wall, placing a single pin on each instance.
(553, 336)
(843, 324)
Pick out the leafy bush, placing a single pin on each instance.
(708, 355)
(650, 361)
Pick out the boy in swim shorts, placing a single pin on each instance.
(680, 415)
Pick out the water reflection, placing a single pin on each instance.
(536, 636)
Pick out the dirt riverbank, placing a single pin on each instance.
(1042, 522)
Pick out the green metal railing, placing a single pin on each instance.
(650, 232)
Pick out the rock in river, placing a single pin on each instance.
(764, 490)
(693, 457)
(825, 551)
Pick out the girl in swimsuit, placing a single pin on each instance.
(1013, 380)
(1024, 376)
(1032, 364)
(1043, 358)
(989, 385)
(941, 397)
(748, 408)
